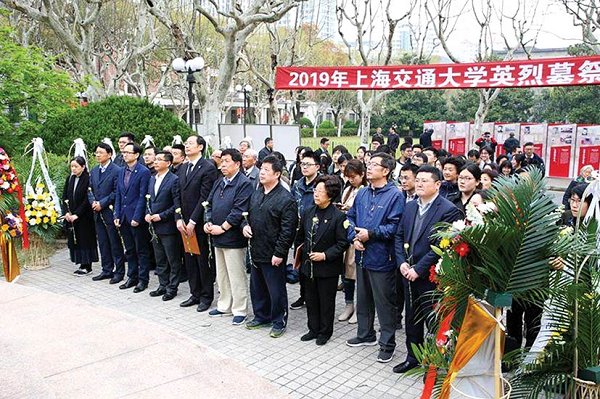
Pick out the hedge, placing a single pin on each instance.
(308, 132)
(108, 118)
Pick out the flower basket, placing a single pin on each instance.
(458, 394)
(38, 255)
(586, 389)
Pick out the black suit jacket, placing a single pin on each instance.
(421, 255)
(330, 237)
(195, 188)
(164, 203)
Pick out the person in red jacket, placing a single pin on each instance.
(486, 140)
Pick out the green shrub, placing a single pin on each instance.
(108, 118)
(331, 132)
(305, 122)
(350, 125)
(326, 125)
(58, 169)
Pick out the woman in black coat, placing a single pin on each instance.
(79, 218)
(324, 239)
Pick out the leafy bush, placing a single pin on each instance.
(308, 132)
(326, 125)
(305, 122)
(108, 118)
(58, 169)
(350, 125)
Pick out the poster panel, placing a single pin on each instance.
(474, 135)
(535, 133)
(561, 150)
(456, 137)
(502, 132)
(587, 147)
(439, 132)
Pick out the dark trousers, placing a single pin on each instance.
(399, 294)
(514, 324)
(269, 294)
(111, 248)
(376, 291)
(167, 252)
(201, 276)
(137, 252)
(418, 309)
(320, 303)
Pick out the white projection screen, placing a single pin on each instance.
(285, 137)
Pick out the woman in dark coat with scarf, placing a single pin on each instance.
(79, 218)
(323, 234)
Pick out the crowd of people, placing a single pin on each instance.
(366, 218)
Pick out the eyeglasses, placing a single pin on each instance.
(465, 178)
(307, 164)
(575, 200)
(160, 159)
(372, 164)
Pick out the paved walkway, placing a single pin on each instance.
(300, 369)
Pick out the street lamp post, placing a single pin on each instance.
(245, 90)
(189, 67)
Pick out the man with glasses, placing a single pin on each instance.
(302, 191)
(196, 178)
(415, 256)
(160, 212)
(130, 206)
(227, 201)
(124, 139)
(103, 184)
(374, 218)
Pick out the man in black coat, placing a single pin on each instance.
(163, 190)
(196, 178)
(271, 227)
(103, 186)
(425, 138)
(124, 139)
(415, 256)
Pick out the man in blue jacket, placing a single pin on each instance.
(229, 198)
(374, 220)
(160, 212)
(130, 206)
(415, 256)
(103, 185)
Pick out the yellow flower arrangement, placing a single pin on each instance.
(40, 212)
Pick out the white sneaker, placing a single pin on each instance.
(353, 319)
(347, 313)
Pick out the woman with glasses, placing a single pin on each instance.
(584, 175)
(323, 238)
(578, 206)
(79, 218)
(469, 180)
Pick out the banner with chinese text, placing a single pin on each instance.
(561, 147)
(566, 71)
(457, 134)
(588, 143)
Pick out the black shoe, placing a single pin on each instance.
(140, 287)
(115, 280)
(158, 292)
(102, 276)
(309, 336)
(299, 304)
(190, 302)
(128, 284)
(322, 340)
(203, 307)
(404, 367)
(168, 296)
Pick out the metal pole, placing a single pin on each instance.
(245, 111)
(191, 80)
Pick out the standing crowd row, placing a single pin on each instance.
(367, 218)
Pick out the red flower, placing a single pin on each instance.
(433, 274)
(462, 249)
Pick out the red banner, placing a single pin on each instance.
(589, 155)
(567, 71)
(457, 146)
(560, 161)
